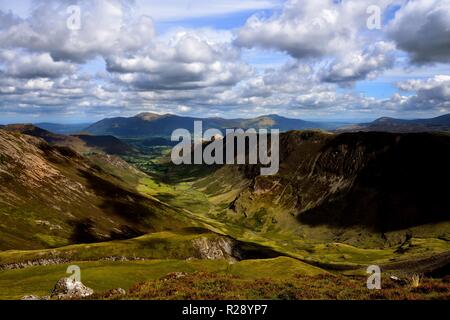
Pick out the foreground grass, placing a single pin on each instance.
(106, 275)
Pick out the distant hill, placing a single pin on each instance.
(81, 143)
(387, 124)
(146, 125)
(63, 128)
(32, 130)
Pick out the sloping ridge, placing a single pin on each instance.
(81, 143)
(52, 196)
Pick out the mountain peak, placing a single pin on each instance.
(270, 116)
(148, 116)
(383, 119)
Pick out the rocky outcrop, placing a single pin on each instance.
(217, 248)
(68, 288)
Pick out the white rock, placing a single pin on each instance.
(67, 288)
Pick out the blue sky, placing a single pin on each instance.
(298, 58)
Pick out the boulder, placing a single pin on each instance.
(68, 288)
(115, 293)
(217, 248)
(174, 276)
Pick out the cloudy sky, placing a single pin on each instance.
(80, 61)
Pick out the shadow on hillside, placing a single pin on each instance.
(174, 175)
(402, 184)
(84, 232)
(131, 207)
(166, 198)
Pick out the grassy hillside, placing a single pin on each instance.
(318, 170)
(365, 189)
(52, 196)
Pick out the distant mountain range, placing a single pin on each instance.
(387, 124)
(152, 125)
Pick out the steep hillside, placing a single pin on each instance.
(153, 125)
(52, 196)
(359, 188)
